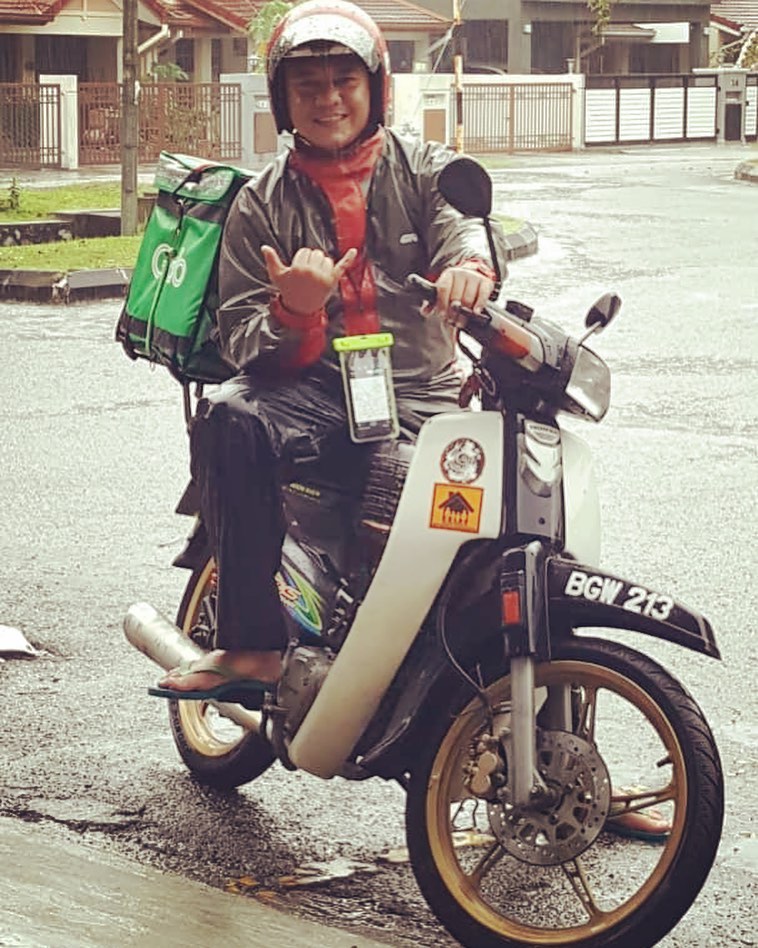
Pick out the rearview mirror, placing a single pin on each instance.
(602, 311)
(467, 186)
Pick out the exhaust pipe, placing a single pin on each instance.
(165, 644)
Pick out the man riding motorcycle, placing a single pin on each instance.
(317, 247)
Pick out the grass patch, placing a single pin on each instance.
(509, 224)
(94, 253)
(42, 203)
(67, 255)
(495, 161)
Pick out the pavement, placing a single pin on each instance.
(55, 893)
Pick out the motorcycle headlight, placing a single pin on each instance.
(589, 388)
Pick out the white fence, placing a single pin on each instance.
(669, 108)
(499, 114)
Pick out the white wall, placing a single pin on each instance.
(69, 131)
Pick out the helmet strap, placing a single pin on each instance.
(303, 146)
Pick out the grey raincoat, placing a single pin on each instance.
(409, 229)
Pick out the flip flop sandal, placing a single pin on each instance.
(631, 823)
(248, 692)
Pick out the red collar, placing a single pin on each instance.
(356, 163)
(342, 180)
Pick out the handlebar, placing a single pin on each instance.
(493, 327)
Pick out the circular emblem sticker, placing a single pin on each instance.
(462, 461)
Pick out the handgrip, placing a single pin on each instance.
(508, 336)
(421, 287)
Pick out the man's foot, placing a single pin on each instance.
(221, 667)
(646, 824)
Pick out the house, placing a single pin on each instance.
(732, 22)
(409, 29)
(555, 36)
(205, 38)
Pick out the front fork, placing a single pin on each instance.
(527, 786)
(527, 641)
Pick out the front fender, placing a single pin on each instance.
(581, 595)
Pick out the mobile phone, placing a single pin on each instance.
(367, 381)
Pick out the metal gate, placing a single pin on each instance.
(751, 109)
(517, 117)
(99, 123)
(30, 125)
(203, 119)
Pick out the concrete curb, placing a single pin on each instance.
(747, 171)
(51, 286)
(523, 242)
(59, 894)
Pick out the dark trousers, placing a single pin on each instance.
(247, 438)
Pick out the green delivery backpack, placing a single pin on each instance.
(169, 316)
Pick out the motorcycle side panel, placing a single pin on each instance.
(581, 501)
(434, 518)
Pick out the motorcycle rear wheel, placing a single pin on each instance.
(618, 893)
(219, 753)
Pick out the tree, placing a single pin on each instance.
(168, 72)
(262, 25)
(601, 9)
(748, 55)
(742, 52)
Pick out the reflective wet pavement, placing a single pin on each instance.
(53, 895)
(93, 455)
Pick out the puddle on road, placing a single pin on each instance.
(462, 839)
(305, 876)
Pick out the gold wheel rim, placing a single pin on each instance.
(194, 717)
(444, 779)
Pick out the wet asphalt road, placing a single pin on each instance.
(94, 457)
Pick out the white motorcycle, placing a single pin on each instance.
(439, 637)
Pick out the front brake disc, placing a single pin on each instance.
(550, 834)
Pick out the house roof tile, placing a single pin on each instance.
(183, 15)
(236, 14)
(29, 11)
(739, 12)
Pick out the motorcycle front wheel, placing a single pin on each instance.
(499, 877)
(218, 752)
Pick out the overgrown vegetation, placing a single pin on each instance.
(601, 10)
(14, 196)
(261, 27)
(743, 52)
(167, 72)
